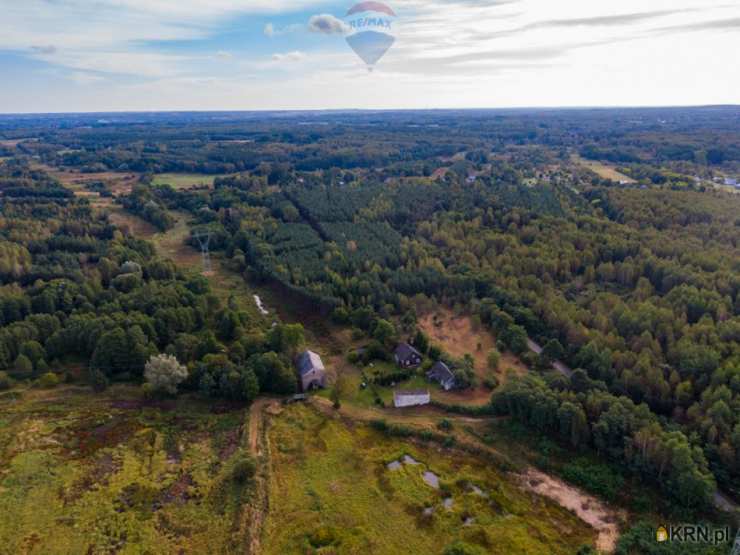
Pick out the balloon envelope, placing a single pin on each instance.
(370, 26)
(370, 45)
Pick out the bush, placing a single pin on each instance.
(595, 477)
(98, 380)
(164, 373)
(48, 380)
(5, 381)
(243, 469)
(445, 425)
(494, 359)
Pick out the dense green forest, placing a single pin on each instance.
(635, 285)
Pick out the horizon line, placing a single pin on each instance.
(360, 110)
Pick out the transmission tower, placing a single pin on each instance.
(204, 240)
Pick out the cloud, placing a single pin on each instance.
(271, 31)
(294, 56)
(224, 55)
(82, 78)
(45, 50)
(732, 24)
(326, 24)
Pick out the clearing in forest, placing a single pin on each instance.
(458, 335)
(603, 170)
(348, 489)
(185, 180)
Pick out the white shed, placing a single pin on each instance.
(403, 399)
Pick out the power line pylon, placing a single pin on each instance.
(204, 240)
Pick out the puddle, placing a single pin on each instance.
(260, 306)
(395, 465)
(431, 479)
(410, 460)
(448, 503)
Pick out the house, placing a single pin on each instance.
(442, 374)
(403, 399)
(407, 357)
(311, 370)
(731, 181)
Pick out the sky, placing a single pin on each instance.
(151, 55)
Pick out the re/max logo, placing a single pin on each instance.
(694, 533)
(370, 22)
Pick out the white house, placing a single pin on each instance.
(403, 399)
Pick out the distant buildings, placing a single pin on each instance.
(402, 399)
(442, 374)
(407, 357)
(311, 370)
(731, 181)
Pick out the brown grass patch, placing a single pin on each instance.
(458, 335)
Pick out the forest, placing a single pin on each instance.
(633, 284)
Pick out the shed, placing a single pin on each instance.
(311, 370)
(418, 398)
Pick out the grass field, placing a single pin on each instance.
(104, 473)
(184, 180)
(331, 491)
(603, 170)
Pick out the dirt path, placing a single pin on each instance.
(588, 508)
(256, 511)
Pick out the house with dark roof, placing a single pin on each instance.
(407, 357)
(403, 399)
(311, 371)
(442, 374)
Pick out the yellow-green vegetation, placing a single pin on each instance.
(184, 180)
(332, 491)
(83, 473)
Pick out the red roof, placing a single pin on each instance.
(371, 7)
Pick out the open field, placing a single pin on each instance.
(459, 336)
(117, 183)
(185, 180)
(603, 170)
(332, 491)
(104, 473)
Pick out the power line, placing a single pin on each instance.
(204, 240)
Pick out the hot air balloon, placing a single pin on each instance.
(370, 31)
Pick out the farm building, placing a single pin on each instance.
(442, 374)
(403, 399)
(311, 370)
(407, 357)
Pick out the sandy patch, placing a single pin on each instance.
(588, 508)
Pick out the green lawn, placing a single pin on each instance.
(331, 491)
(184, 180)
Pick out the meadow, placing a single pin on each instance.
(82, 473)
(341, 487)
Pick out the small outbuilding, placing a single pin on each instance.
(407, 357)
(442, 374)
(311, 370)
(403, 399)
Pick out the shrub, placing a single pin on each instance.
(48, 380)
(164, 373)
(5, 381)
(243, 469)
(445, 425)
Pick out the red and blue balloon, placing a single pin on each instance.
(370, 31)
